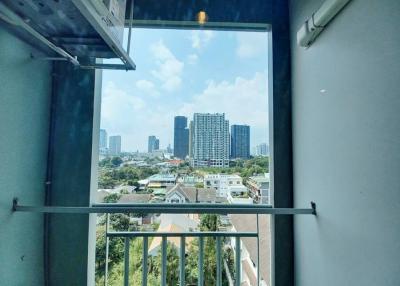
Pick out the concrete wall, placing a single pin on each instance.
(69, 244)
(25, 92)
(346, 146)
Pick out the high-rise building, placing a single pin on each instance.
(262, 149)
(210, 140)
(156, 145)
(115, 145)
(169, 149)
(181, 137)
(191, 133)
(153, 144)
(240, 141)
(103, 139)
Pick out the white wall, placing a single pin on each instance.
(346, 146)
(25, 92)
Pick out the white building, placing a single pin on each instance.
(209, 139)
(259, 188)
(239, 194)
(262, 150)
(115, 145)
(221, 182)
(248, 257)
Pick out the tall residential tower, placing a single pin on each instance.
(209, 140)
(240, 141)
(153, 144)
(181, 137)
(115, 145)
(103, 139)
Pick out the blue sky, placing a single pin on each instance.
(180, 72)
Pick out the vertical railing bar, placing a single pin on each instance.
(237, 262)
(126, 262)
(107, 250)
(258, 252)
(130, 28)
(219, 262)
(182, 262)
(144, 262)
(164, 261)
(201, 258)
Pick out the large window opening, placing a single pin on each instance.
(189, 126)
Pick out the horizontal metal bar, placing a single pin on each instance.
(48, 58)
(167, 208)
(107, 67)
(194, 25)
(20, 22)
(181, 234)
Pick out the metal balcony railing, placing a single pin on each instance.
(182, 252)
(109, 208)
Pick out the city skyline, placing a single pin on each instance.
(179, 73)
(239, 146)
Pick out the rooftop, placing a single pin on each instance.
(162, 177)
(247, 222)
(260, 178)
(203, 195)
(217, 176)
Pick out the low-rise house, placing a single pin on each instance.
(134, 198)
(259, 188)
(161, 180)
(182, 194)
(239, 194)
(221, 182)
(143, 184)
(248, 223)
(173, 223)
(175, 162)
(191, 181)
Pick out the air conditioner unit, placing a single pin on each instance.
(113, 14)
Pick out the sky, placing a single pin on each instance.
(180, 72)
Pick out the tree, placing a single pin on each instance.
(116, 161)
(124, 192)
(199, 185)
(112, 198)
(209, 222)
(172, 264)
(106, 182)
(116, 251)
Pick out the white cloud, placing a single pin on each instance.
(169, 70)
(251, 44)
(118, 108)
(200, 39)
(192, 59)
(244, 101)
(147, 87)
